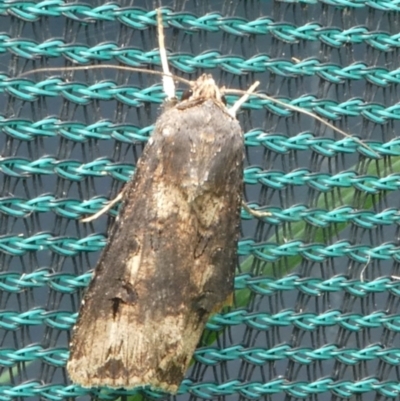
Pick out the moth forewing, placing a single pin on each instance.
(171, 256)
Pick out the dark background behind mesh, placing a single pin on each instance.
(320, 315)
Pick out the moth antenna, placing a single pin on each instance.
(171, 78)
(103, 67)
(168, 81)
(233, 110)
(104, 209)
(169, 87)
(306, 112)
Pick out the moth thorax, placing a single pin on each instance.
(205, 88)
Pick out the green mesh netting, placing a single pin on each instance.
(316, 313)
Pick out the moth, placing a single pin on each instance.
(171, 256)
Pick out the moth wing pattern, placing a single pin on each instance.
(171, 256)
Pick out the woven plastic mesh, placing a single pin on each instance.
(316, 313)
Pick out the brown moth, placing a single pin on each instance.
(171, 256)
(170, 259)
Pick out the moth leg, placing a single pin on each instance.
(255, 213)
(105, 209)
(168, 81)
(233, 110)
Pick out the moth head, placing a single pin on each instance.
(205, 88)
